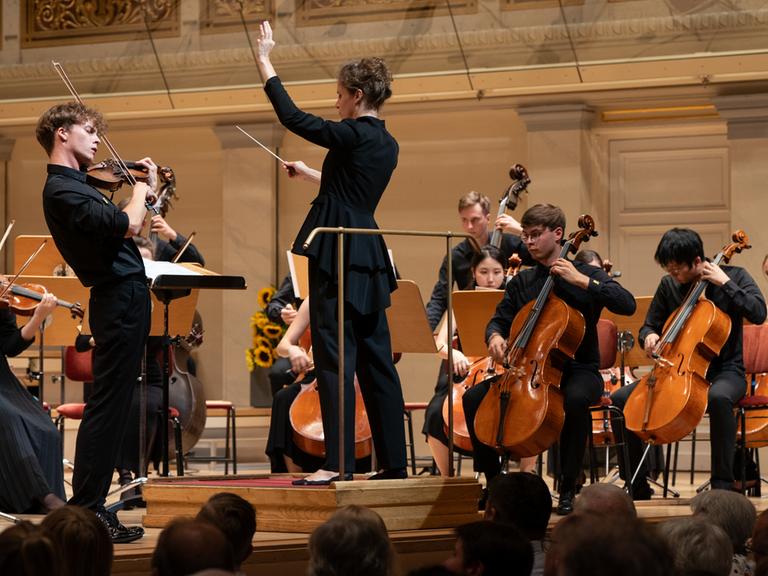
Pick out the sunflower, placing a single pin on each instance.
(273, 331)
(249, 359)
(259, 320)
(262, 357)
(264, 296)
(261, 342)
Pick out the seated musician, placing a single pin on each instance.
(587, 289)
(681, 253)
(31, 474)
(283, 453)
(281, 309)
(487, 270)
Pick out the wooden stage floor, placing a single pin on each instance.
(285, 553)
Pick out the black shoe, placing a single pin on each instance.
(392, 474)
(565, 504)
(117, 532)
(306, 482)
(642, 491)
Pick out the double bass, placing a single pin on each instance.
(523, 413)
(670, 401)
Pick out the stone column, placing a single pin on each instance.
(249, 190)
(560, 160)
(747, 120)
(6, 149)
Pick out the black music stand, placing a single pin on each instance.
(169, 287)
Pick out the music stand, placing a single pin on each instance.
(407, 318)
(170, 282)
(473, 310)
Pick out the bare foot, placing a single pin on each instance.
(52, 502)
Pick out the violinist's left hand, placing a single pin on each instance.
(47, 305)
(567, 271)
(713, 273)
(151, 172)
(508, 224)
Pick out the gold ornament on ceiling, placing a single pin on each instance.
(225, 15)
(316, 12)
(51, 22)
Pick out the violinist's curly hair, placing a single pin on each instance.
(369, 75)
(66, 115)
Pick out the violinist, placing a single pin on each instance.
(31, 473)
(681, 254)
(487, 268)
(587, 289)
(361, 157)
(475, 215)
(94, 237)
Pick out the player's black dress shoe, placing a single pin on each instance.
(117, 532)
(392, 474)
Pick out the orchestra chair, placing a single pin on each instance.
(230, 433)
(408, 409)
(755, 353)
(78, 366)
(606, 412)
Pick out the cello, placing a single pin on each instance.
(670, 401)
(523, 413)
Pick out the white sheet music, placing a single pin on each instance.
(155, 269)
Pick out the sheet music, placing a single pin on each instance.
(155, 269)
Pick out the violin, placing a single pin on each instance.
(23, 299)
(522, 413)
(670, 401)
(108, 175)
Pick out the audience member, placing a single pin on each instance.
(606, 499)
(736, 515)
(352, 542)
(589, 544)
(26, 551)
(433, 570)
(490, 549)
(83, 539)
(188, 546)
(236, 518)
(700, 547)
(759, 542)
(524, 501)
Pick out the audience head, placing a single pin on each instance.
(490, 549)
(607, 500)
(188, 546)
(733, 512)
(522, 500)
(699, 546)
(83, 539)
(760, 537)
(352, 542)
(236, 518)
(25, 550)
(588, 544)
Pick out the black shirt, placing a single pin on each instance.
(461, 257)
(88, 229)
(601, 292)
(739, 298)
(281, 298)
(361, 158)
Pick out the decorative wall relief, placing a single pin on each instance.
(224, 15)
(533, 4)
(312, 12)
(52, 22)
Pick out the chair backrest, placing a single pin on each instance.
(78, 366)
(756, 348)
(607, 340)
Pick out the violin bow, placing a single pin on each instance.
(183, 248)
(7, 232)
(23, 267)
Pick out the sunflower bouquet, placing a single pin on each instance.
(266, 334)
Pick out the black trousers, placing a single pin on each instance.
(119, 318)
(367, 352)
(725, 390)
(581, 387)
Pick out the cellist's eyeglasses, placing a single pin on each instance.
(532, 236)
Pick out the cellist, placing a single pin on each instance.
(587, 289)
(681, 254)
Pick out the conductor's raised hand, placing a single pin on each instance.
(300, 170)
(265, 42)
